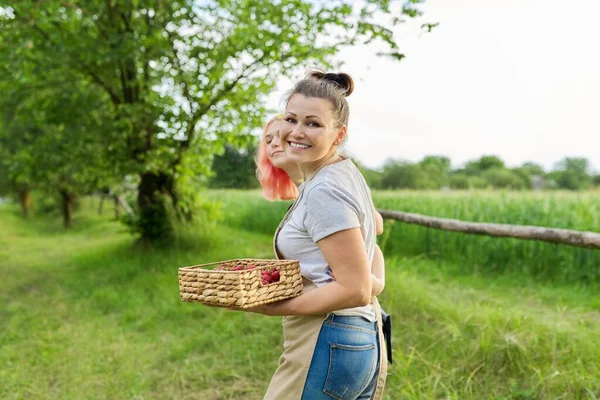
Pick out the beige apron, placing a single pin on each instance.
(300, 334)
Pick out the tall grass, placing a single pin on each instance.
(474, 254)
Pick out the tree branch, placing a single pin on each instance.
(218, 96)
(177, 64)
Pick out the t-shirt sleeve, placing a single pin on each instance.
(330, 209)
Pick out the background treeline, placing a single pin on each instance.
(236, 169)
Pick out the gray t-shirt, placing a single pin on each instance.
(336, 199)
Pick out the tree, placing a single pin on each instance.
(436, 170)
(398, 174)
(572, 173)
(182, 78)
(527, 171)
(503, 178)
(483, 164)
(52, 150)
(235, 168)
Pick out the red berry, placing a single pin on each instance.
(275, 276)
(238, 268)
(251, 266)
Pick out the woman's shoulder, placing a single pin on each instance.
(339, 172)
(339, 177)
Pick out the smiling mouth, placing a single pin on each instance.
(295, 145)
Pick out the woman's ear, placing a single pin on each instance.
(340, 135)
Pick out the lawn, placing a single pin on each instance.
(89, 314)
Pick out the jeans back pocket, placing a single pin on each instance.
(351, 369)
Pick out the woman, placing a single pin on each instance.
(332, 331)
(279, 180)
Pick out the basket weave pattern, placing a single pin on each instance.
(239, 289)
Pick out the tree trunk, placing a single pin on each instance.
(25, 201)
(153, 222)
(67, 207)
(117, 209)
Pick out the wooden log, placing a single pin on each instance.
(590, 240)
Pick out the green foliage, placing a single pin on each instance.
(235, 168)
(403, 174)
(483, 164)
(459, 181)
(430, 173)
(503, 178)
(572, 174)
(180, 79)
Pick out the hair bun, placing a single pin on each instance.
(342, 80)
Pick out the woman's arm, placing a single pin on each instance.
(377, 272)
(346, 255)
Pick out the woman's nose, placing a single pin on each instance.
(298, 131)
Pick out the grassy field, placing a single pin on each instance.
(87, 314)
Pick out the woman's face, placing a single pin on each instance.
(308, 131)
(275, 151)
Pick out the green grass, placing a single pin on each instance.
(87, 314)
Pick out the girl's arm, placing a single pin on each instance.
(346, 255)
(378, 222)
(378, 273)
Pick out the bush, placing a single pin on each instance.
(503, 178)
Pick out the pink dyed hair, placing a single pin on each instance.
(276, 183)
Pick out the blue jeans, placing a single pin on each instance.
(345, 364)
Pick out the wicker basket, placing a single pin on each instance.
(216, 284)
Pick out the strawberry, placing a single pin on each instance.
(275, 276)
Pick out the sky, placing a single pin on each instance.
(516, 79)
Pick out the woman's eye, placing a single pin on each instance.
(290, 120)
(314, 124)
